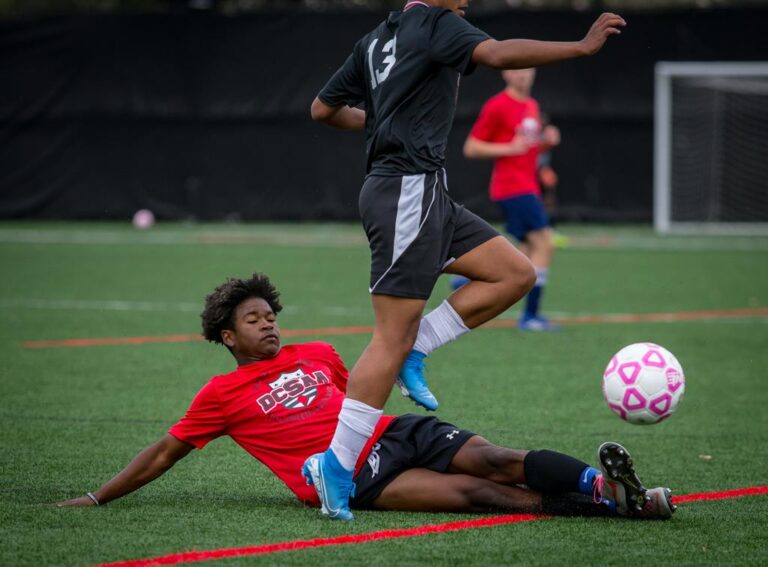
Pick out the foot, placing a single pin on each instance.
(333, 484)
(537, 323)
(619, 484)
(458, 281)
(412, 383)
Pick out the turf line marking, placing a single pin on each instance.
(194, 556)
(736, 493)
(296, 545)
(671, 317)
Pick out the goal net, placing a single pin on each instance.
(711, 147)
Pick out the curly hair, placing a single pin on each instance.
(220, 305)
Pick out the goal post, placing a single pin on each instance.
(711, 147)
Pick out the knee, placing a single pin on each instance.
(521, 277)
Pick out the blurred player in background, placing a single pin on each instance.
(406, 74)
(509, 131)
(281, 404)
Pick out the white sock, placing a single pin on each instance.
(542, 276)
(438, 328)
(356, 424)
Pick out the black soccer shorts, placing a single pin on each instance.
(410, 442)
(415, 230)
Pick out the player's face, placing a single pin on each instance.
(458, 7)
(256, 335)
(520, 80)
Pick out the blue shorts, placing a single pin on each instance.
(523, 214)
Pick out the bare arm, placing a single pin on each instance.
(342, 117)
(525, 53)
(475, 148)
(144, 468)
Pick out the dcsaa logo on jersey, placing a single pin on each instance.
(531, 130)
(292, 390)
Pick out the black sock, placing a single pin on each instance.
(552, 472)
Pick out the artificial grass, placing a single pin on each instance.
(72, 417)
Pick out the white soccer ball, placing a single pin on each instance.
(643, 383)
(143, 219)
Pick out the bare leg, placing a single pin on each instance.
(397, 323)
(541, 247)
(422, 490)
(501, 275)
(481, 458)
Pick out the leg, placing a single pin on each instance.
(423, 490)
(501, 276)
(397, 323)
(541, 247)
(371, 380)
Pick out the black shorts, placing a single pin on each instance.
(415, 230)
(410, 442)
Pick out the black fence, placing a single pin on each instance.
(205, 116)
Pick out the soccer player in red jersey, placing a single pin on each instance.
(281, 405)
(509, 131)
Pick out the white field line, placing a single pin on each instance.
(152, 306)
(346, 237)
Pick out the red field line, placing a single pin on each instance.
(296, 545)
(367, 329)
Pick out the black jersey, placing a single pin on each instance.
(406, 74)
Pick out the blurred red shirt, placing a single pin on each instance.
(280, 410)
(500, 119)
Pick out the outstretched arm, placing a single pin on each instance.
(474, 148)
(525, 53)
(144, 468)
(342, 117)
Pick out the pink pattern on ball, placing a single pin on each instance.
(633, 400)
(674, 379)
(661, 405)
(628, 372)
(654, 359)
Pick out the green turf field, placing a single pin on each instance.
(72, 417)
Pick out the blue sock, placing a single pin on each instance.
(534, 296)
(532, 303)
(587, 479)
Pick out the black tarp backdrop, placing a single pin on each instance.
(205, 116)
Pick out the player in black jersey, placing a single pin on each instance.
(400, 84)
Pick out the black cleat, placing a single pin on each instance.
(620, 483)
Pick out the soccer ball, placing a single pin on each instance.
(643, 383)
(143, 219)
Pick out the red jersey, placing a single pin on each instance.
(280, 410)
(500, 119)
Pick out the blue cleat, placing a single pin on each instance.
(333, 484)
(412, 383)
(459, 281)
(537, 323)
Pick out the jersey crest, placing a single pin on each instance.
(292, 390)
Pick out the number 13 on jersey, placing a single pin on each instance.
(389, 49)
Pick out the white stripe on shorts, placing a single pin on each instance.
(408, 221)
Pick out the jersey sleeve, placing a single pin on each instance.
(347, 85)
(204, 420)
(340, 372)
(453, 40)
(487, 123)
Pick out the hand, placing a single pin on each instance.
(550, 136)
(79, 502)
(606, 25)
(518, 146)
